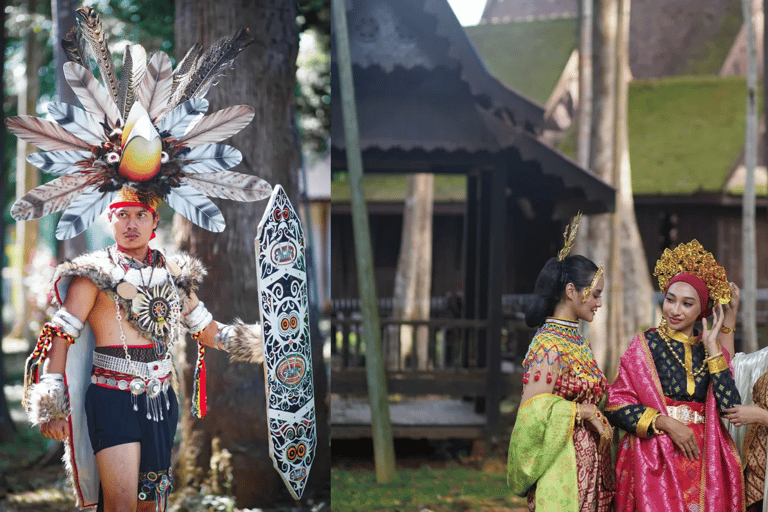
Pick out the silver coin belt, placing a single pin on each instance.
(148, 375)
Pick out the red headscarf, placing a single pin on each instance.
(699, 286)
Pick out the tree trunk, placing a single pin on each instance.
(263, 77)
(27, 178)
(7, 428)
(413, 279)
(599, 229)
(749, 251)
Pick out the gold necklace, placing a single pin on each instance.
(663, 331)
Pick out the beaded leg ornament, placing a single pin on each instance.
(199, 397)
(39, 355)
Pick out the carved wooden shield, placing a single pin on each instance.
(287, 351)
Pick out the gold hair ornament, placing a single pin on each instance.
(588, 289)
(691, 258)
(569, 236)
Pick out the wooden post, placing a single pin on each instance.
(381, 427)
(748, 241)
(496, 256)
(471, 248)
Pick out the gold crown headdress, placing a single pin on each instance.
(147, 131)
(692, 258)
(569, 237)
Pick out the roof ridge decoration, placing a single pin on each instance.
(146, 130)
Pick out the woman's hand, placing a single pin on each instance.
(57, 430)
(681, 435)
(593, 419)
(740, 415)
(732, 308)
(709, 336)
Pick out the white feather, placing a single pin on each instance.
(193, 205)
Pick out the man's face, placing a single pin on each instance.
(132, 226)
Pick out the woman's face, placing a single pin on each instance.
(586, 310)
(681, 307)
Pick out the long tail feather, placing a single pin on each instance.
(209, 158)
(93, 96)
(134, 67)
(193, 205)
(44, 134)
(61, 162)
(75, 49)
(78, 122)
(85, 209)
(219, 126)
(182, 69)
(183, 117)
(155, 89)
(90, 27)
(230, 185)
(50, 197)
(209, 66)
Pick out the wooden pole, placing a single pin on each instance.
(748, 244)
(381, 427)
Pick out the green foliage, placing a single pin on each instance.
(313, 80)
(449, 489)
(527, 56)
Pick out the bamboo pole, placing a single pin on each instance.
(381, 427)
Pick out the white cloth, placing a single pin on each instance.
(747, 368)
(79, 457)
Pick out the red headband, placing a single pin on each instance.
(123, 204)
(699, 286)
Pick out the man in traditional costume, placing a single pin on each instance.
(672, 387)
(100, 375)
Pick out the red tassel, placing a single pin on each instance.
(549, 378)
(203, 400)
(525, 378)
(537, 375)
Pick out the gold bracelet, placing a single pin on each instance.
(712, 358)
(727, 330)
(717, 365)
(653, 423)
(578, 414)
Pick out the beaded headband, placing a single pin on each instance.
(691, 258)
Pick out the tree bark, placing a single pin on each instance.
(263, 77)
(27, 178)
(7, 427)
(413, 278)
(599, 229)
(749, 250)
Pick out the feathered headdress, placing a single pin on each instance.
(146, 130)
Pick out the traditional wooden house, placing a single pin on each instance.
(427, 103)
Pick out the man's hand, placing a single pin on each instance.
(57, 430)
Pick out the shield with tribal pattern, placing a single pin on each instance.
(284, 313)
